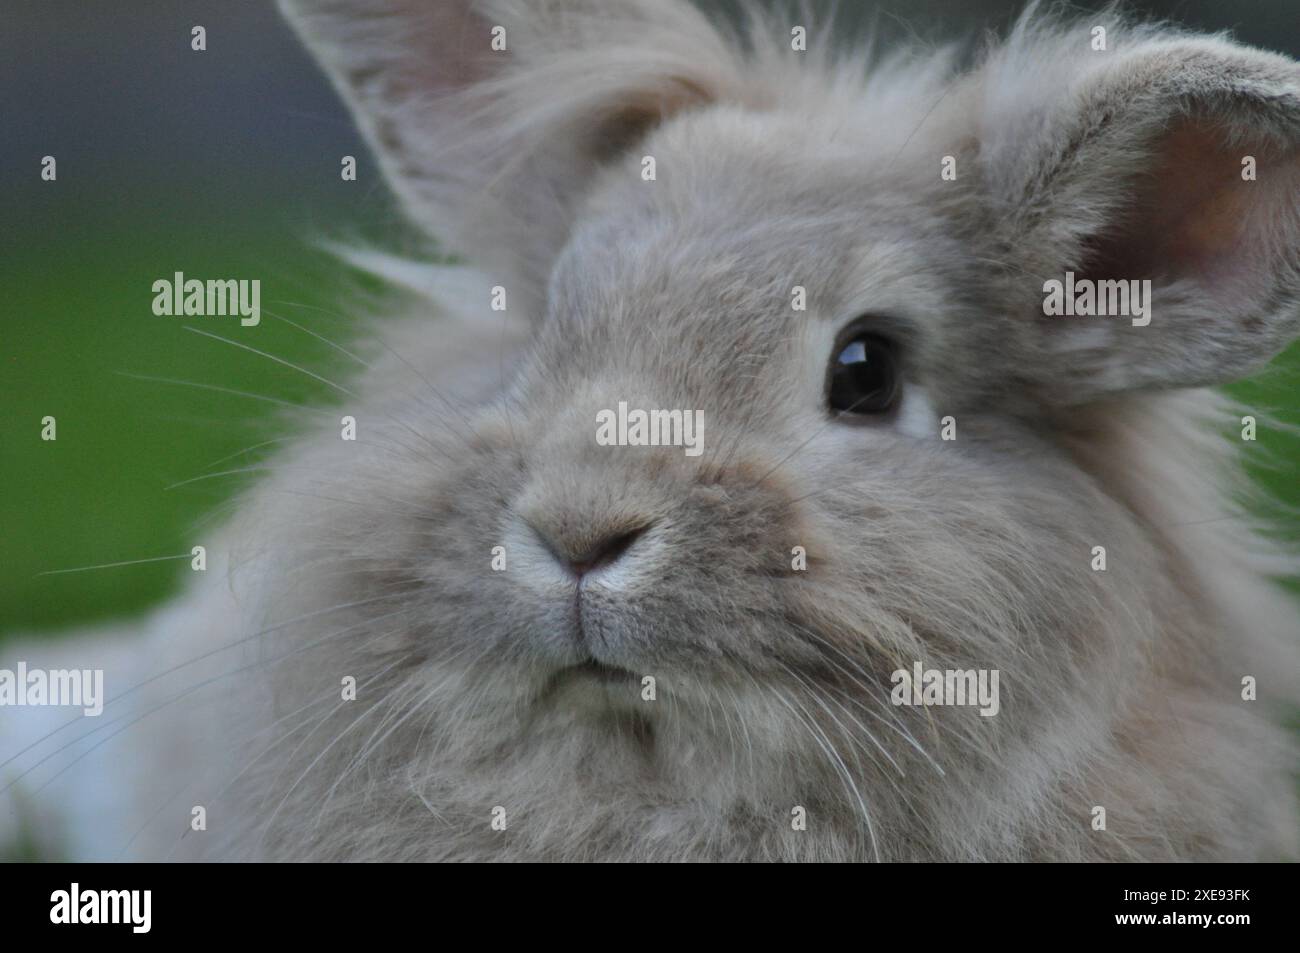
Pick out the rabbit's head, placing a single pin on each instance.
(833, 274)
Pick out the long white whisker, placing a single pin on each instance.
(127, 562)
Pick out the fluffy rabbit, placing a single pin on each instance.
(566, 650)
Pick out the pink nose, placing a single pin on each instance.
(604, 552)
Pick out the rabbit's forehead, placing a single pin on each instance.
(727, 267)
(666, 287)
(666, 320)
(730, 240)
(740, 211)
(736, 265)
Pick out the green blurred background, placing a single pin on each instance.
(222, 164)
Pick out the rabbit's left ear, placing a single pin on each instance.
(1168, 159)
(491, 117)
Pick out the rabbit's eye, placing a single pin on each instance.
(864, 376)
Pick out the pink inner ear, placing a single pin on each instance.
(439, 48)
(1194, 216)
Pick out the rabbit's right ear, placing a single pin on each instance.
(489, 118)
(1155, 157)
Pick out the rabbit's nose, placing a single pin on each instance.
(605, 551)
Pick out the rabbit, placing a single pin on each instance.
(475, 633)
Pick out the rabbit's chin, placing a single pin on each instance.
(594, 689)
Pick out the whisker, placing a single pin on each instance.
(418, 699)
(871, 691)
(222, 390)
(415, 515)
(339, 387)
(183, 694)
(865, 730)
(240, 453)
(222, 473)
(271, 357)
(387, 347)
(319, 337)
(837, 762)
(126, 562)
(816, 433)
(270, 821)
(287, 735)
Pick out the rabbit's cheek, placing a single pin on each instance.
(532, 564)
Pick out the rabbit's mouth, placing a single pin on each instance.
(601, 684)
(592, 668)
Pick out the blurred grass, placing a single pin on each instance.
(81, 317)
(1273, 395)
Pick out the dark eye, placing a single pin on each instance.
(864, 376)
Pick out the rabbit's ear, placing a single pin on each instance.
(488, 118)
(1165, 158)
